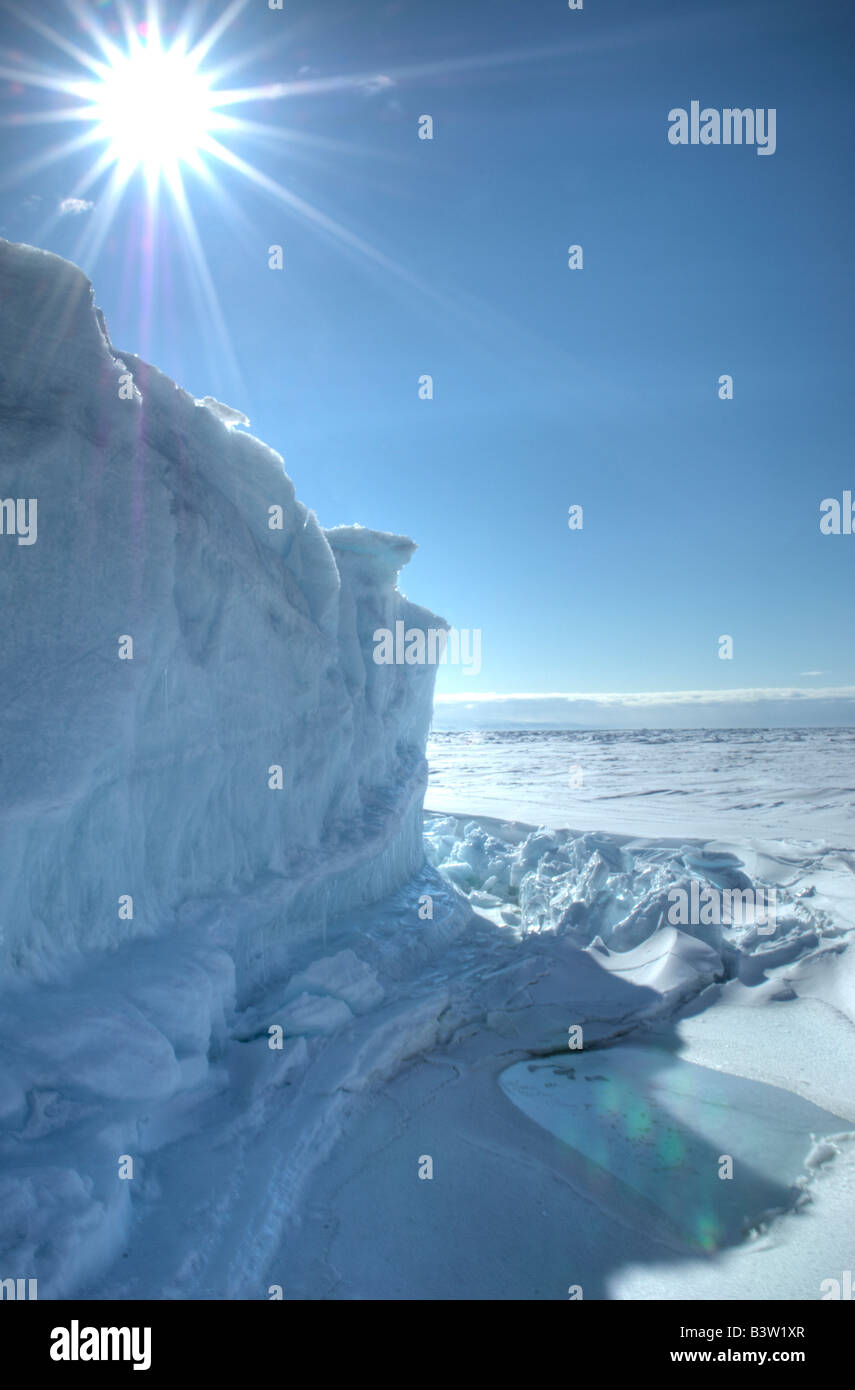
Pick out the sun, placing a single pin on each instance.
(153, 108)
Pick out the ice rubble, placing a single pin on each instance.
(251, 649)
(611, 892)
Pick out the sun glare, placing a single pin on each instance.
(153, 108)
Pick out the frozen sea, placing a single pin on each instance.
(707, 783)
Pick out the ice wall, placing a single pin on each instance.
(150, 777)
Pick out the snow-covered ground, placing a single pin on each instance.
(334, 1052)
(409, 1037)
(713, 783)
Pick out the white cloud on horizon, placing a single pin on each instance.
(639, 699)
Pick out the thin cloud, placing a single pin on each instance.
(755, 707)
(372, 86)
(74, 207)
(639, 699)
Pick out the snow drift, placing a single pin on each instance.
(142, 785)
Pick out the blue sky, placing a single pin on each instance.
(552, 386)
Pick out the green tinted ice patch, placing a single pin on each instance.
(650, 1125)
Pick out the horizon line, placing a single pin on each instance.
(746, 695)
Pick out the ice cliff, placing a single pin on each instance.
(142, 776)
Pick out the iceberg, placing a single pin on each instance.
(190, 705)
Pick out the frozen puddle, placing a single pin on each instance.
(654, 1130)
